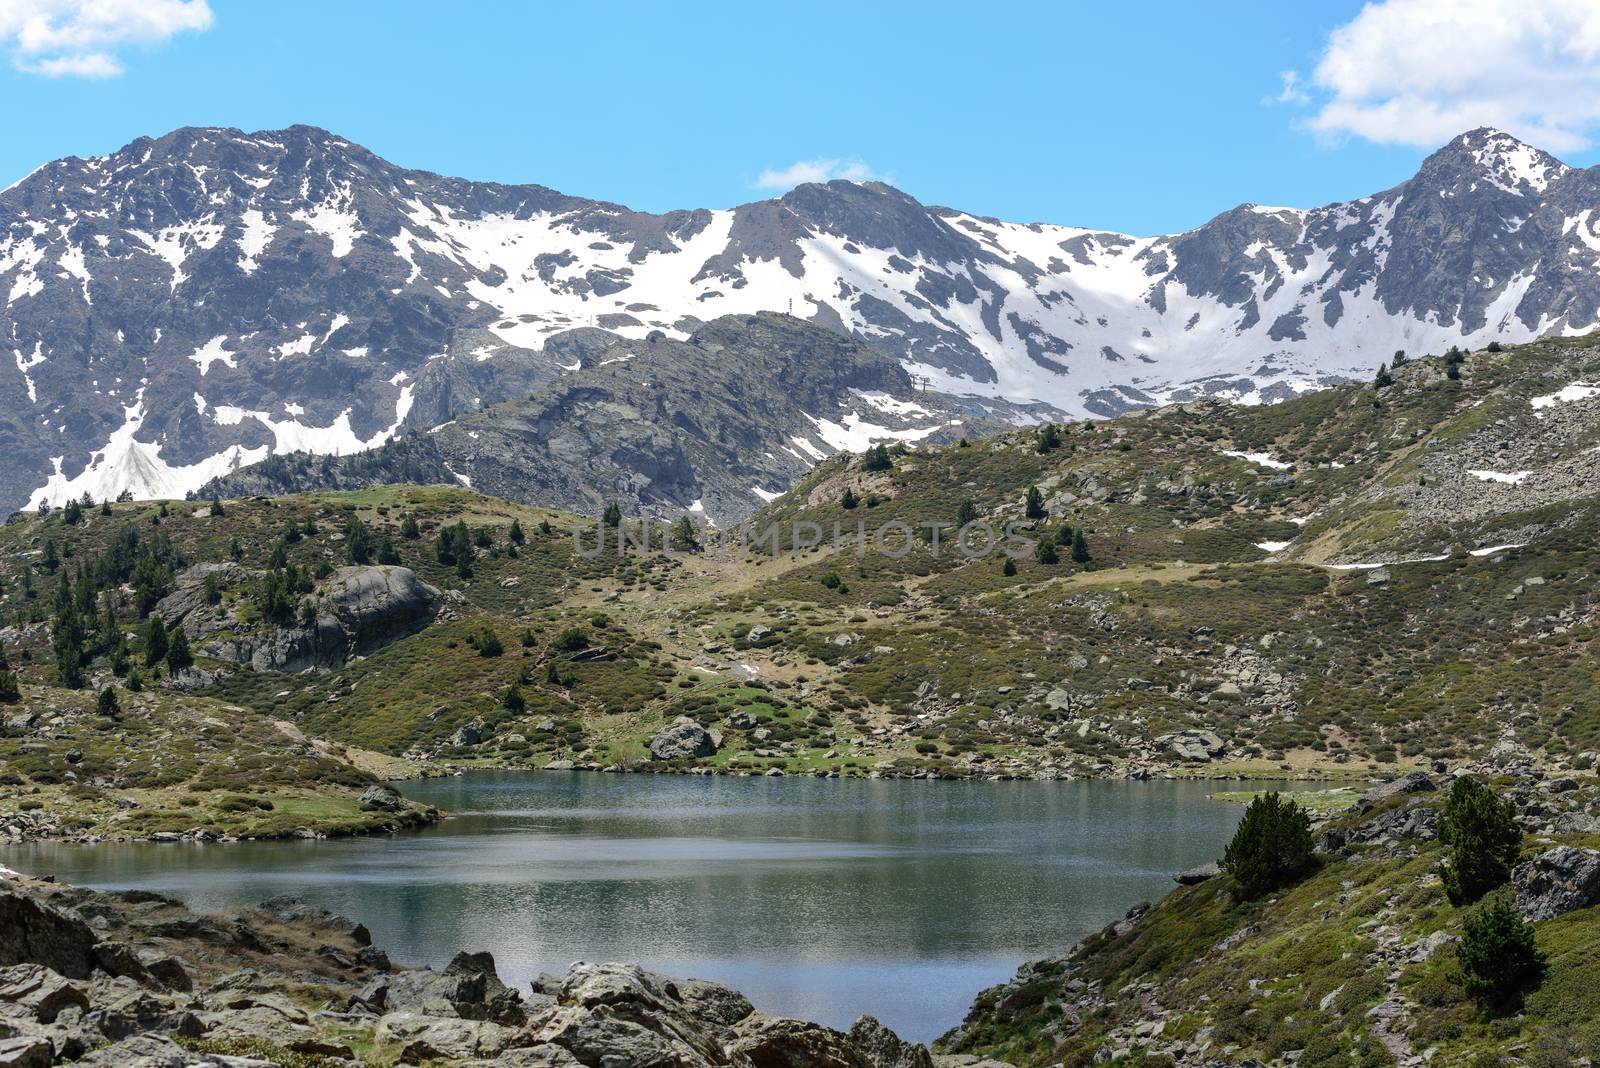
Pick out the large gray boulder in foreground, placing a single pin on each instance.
(1556, 882)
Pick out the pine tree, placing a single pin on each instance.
(358, 541)
(1383, 377)
(1033, 506)
(387, 553)
(877, 459)
(1484, 839)
(155, 641)
(67, 638)
(612, 516)
(1080, 547)
(515, 533)
(10, 692)
(1499, 958)
(178, 654)
(1271, 848)
(410, 529)
(966, 512)
(1047, 439)
(1009, 568)
(849, 500)
(1045, 551)
(216, 506)
(513, 699)
(107, 704)
(684, 535)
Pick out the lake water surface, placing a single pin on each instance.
(822, 899)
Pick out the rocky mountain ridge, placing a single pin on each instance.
(200, 301)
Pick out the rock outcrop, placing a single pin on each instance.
(1556, 882)
(358, 609)
(253, 980)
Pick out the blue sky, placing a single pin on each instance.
(1142, 117)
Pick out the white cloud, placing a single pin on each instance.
(815, 170)
(80, 38)
(1293, 91)
(1418, 72)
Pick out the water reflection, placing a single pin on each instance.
(822, 899)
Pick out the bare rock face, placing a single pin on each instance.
(34, 933)
(360, 609)
(1556, 882)
(377, 603)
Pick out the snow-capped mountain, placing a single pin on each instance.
(194, 303)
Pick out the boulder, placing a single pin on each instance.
(381, 797)
(1556, 882)
(377, 603)
(26, 1051)
(33, 933)
(1198, 874)
(882, 1048)
(1199, 745)
(1412, 782)
(34, 992)
(427, 1038)
(467, 735)
(769, 1042)
(685, 738)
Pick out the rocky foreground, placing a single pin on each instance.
(136, 980)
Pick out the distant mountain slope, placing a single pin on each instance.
(714, 425)
(197, 302)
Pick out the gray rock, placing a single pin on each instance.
(381, 797)
(1201, 745)
(1199, 874)
(1556, 882)
(376, 604)
(34, 933)
(684, 739)
(1412, 782)
(37, 993)
(882, 1048)
(25, 1051)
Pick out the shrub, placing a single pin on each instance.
(489, 643)
(570, 640)
(1498, 958)
(1271, 848)
(1484, 838)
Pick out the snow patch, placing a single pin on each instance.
(1514, 478)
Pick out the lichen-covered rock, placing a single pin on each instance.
(684, 739)
(381, 797)
(1556, 882)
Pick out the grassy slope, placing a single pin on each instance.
(1299, 970)
(932, 663)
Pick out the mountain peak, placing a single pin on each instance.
(1488, 153)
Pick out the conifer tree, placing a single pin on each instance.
(155, 641)
(1033, 506)
(1484, 839)
(1080, 547)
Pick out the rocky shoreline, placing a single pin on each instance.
(23, 827)
(135, 980)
